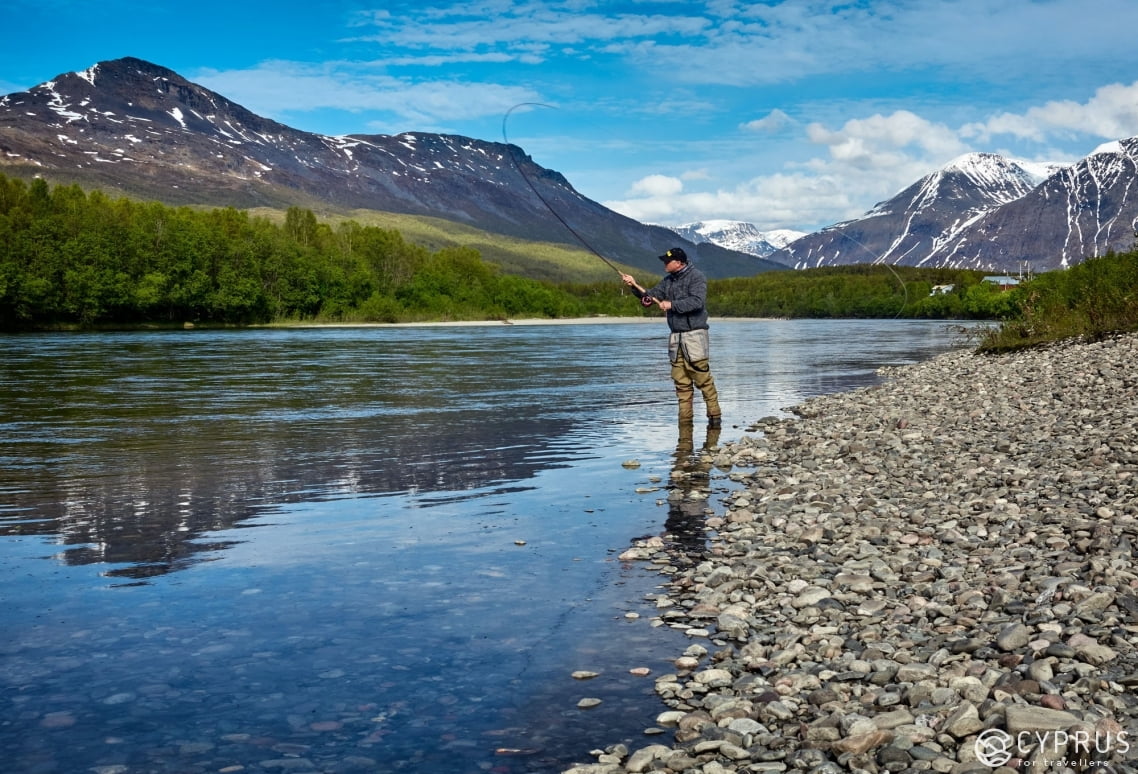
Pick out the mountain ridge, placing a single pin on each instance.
(984, 211)
(143, 130)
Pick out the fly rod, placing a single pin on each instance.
(532, 187)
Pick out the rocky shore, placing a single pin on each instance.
(933, 574)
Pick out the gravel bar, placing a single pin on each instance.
(936, 573)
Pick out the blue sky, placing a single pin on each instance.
(794, 114)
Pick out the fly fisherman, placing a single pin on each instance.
(682, 293)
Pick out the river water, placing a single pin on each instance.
(358, 549)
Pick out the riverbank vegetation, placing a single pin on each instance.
(76, 259)
(863, 290)
(1090, 300)
(71, 258)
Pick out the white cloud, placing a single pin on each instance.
(886, 142)
(769, 202)
(563, 28)
(865, 161)
(276, 88)
(1112, 113)
(772, 123)
(657, 185)
(748, 44)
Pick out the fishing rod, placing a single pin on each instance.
(532, 187)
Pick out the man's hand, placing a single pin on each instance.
(628, 279)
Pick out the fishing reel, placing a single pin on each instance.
(647, 301)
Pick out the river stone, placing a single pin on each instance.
(714, 678)
(1024, 718)
(1013, 637)
(964, 720)
(643, 758)
(948, 551)
(862, 743)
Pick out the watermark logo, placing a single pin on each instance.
(1088, 750)
(994, 747)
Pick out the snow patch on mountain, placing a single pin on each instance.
(737, 235)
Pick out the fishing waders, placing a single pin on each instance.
(691, 371)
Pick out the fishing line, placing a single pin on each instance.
(532, 187)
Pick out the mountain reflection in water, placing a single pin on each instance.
(130, 447)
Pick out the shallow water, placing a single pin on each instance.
(374, 549)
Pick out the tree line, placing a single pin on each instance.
(83, 258)
(862, 290)
(71, 258)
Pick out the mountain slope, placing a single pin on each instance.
(983, 211)
(911, 227)
(1081, 211)
(137, 128)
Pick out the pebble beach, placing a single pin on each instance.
(936, 573)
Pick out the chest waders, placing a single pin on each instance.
(691, 368)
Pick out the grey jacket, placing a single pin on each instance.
(687, 290)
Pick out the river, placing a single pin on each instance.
(361, 548)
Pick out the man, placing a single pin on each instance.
(683, 295)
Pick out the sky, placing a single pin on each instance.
(791, 114)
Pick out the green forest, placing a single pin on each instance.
(76, 259)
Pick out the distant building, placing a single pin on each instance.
(940, 290)
(1003, 281)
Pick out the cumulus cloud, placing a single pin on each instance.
(886, 142)
(657, 185)
(1112, 113)
(769, 202)
(859, 163)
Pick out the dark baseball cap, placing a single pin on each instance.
(675, 254)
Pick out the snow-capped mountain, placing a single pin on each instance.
(738, 235)
(988, 212)
(1082, 210)
(129, 126)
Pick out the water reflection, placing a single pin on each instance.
(689, 490)
(129, 449)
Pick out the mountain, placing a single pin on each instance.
(1084, 210)
(737, 235)
(911, 227)
(135, 128)
(984, 211)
